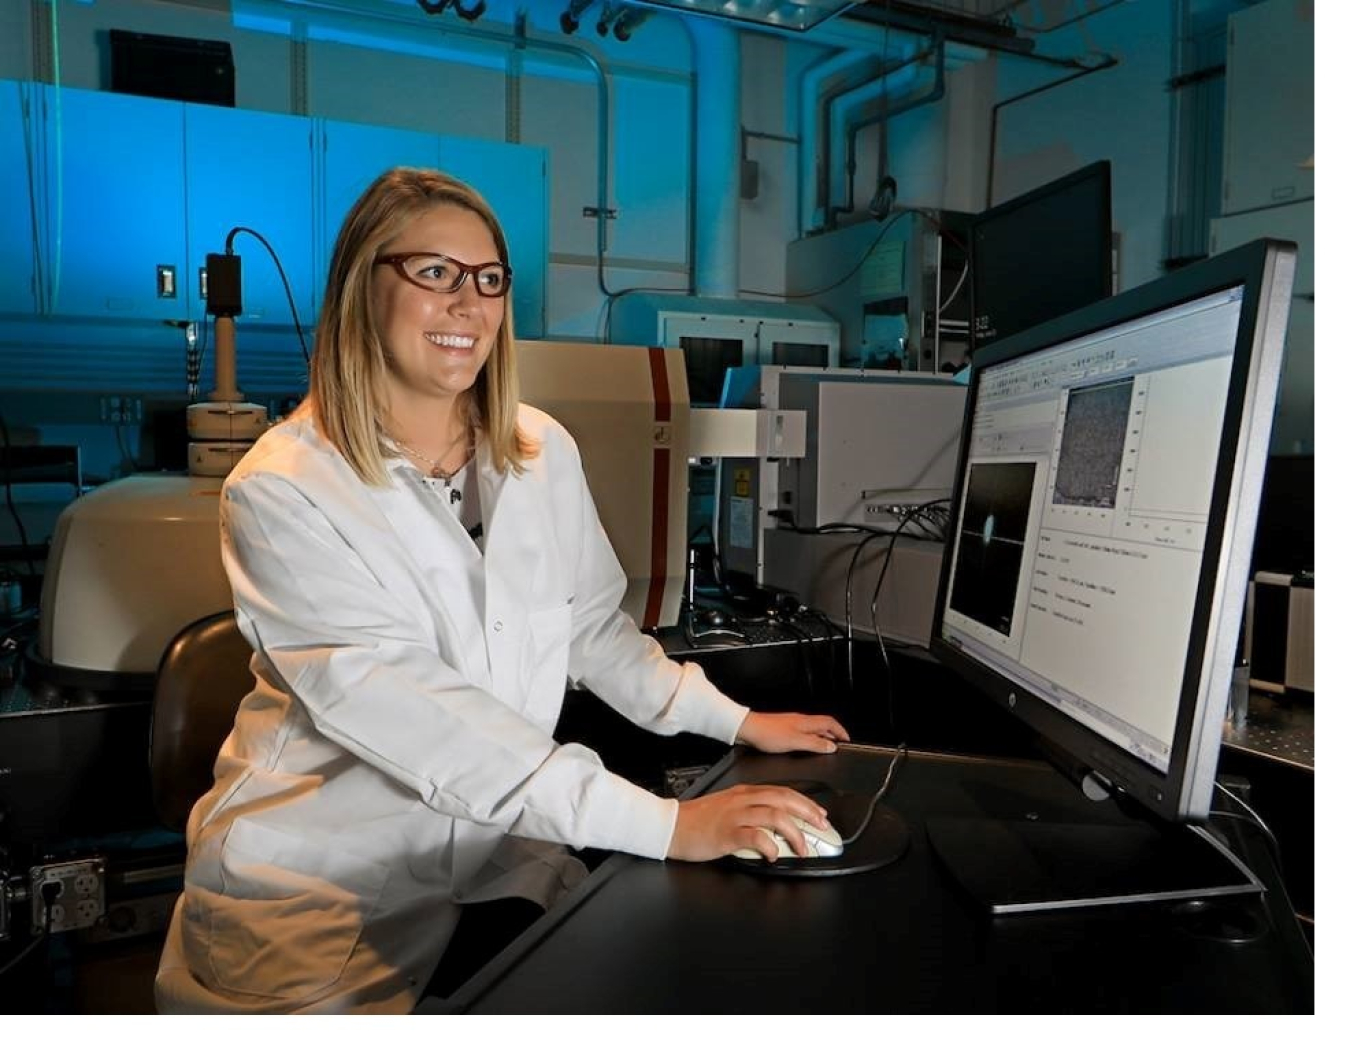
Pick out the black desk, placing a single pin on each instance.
(644, 937)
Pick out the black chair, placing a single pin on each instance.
(202, 678)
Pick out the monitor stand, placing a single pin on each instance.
(1022, 866)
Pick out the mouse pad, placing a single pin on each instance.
(885, 840)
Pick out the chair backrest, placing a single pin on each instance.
(202, 677)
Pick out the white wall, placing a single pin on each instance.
(408, 70)
(1122, 114)
(427, 73)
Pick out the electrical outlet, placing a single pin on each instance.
(119, 409)
(79, 896)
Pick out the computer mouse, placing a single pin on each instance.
(822, 842)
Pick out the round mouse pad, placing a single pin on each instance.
(885, 840)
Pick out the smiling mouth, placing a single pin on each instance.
(450, 340)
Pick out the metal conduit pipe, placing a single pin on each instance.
(937, 89)
(717, 227)
(812, 181)
(948, 56)
(838, 110)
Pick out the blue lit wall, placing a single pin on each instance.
(80, 322)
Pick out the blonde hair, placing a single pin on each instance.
(347, 373)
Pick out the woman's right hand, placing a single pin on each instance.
(720, 823)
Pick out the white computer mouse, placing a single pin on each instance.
(822, 842)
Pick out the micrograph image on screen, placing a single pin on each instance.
(992, 544)
(1093, 440)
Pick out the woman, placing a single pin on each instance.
(418, 565)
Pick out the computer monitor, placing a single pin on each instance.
(1104, 508)
(1041, 255)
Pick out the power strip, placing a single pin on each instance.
(78, 901)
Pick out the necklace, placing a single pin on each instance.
(434, 468)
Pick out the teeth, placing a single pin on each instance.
(441, 339)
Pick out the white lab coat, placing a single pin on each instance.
(396, 758)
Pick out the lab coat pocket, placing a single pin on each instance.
(546, 673)
(291, 911)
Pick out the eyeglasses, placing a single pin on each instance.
(436, 273)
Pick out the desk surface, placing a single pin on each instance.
(642, 936)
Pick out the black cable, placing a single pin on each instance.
(803, 637)
(38, 940)
(832, 633)
(848, 601)
(838, 527)
(49, 892)
(930, 517)
(901, 750)
(1252, 818)
(128, 461)
(196, 357)
(876, 629)
(290, 299)
(205, 349)
(908, 518)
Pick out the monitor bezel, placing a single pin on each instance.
(1099, 175)
(1183, 793)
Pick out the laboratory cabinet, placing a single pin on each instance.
(254, 170)
(513, 179)
(353, 155)
(1268, 126)
(21, 187)
(116, 201)
(123, 197)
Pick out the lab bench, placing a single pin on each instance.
(671, 937)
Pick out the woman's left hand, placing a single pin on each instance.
(791, 732)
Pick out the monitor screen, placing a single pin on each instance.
(1042, 255)
(1104, 509)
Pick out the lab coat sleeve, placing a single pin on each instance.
(366, 669)
(627, 669)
